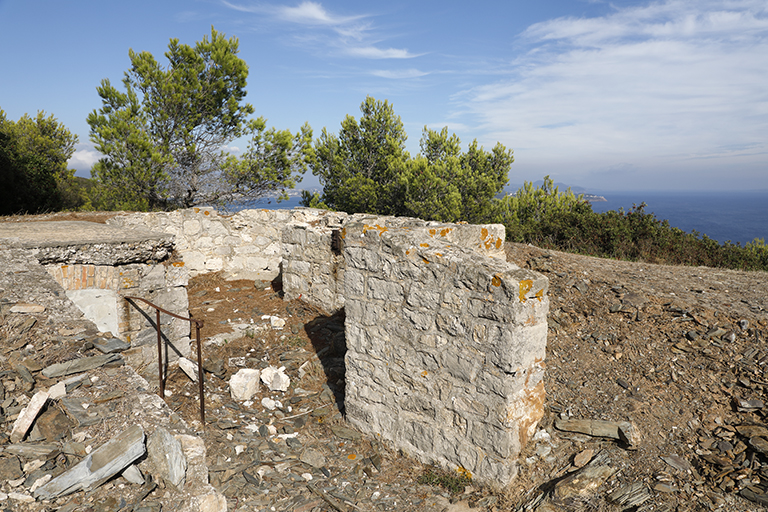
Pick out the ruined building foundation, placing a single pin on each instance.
(445, 339)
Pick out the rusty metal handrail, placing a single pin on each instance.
(198, 325)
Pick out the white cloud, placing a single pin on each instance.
(371, 52)
(83, 159)
(677, 84)
(399, 74)
(312, 13)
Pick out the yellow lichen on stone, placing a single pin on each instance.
(432, 232)
(525, 287)
(464, 472)
(380, 229)
(498, 243)
(424, 373)
(445, 231)
(540, 294)
(496, 281)
(178, 263)
(423, 245)
(206, 212)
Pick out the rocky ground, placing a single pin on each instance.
(680, 353)
(676, 352)
(670, 359)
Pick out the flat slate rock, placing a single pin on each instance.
(110, 346)
(102, 464)
(84, 416)
(31, 451)
(81, 365)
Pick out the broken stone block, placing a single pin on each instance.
(195, 452)
(166, 456)
(98, 467)
(82, 410)
(10, 469)
(18, 496)
(27, 308)
(275, 378)
(57, 391)
(211, 501)
(81, 365)
(189, 368)
(313, 457)
(622, 430)
(27, 416)
(244, 384)
(133, 475)
(31, 451)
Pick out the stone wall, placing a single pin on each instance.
(445, 347)
(98, 290)
(246, 245)
(313, 263)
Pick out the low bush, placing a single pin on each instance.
(548, 218)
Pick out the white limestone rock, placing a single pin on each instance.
(275, 378)
(189, 368)
(244, 384)
(27, 416)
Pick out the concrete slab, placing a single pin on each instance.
(80, 242)
(32, 235)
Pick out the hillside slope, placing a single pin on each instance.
(680, 352)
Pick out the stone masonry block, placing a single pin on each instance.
(459, 330)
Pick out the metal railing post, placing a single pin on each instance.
(160, 356)
(161, 364)
(200, 373)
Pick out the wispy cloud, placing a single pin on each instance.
(661, 84)
(312, 13)
(350, 35)
(371, 52)
(398, 74)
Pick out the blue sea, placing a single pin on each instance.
(735, 216)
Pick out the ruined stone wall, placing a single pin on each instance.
(313, 264)
(246, 245)
(98, 292)
(446, 340)
(445, 347)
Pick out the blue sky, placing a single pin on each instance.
(663, 95)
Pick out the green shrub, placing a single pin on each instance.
(452, 481)
(545, 217)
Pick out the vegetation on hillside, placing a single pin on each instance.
(366, 169)
(548, 218)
